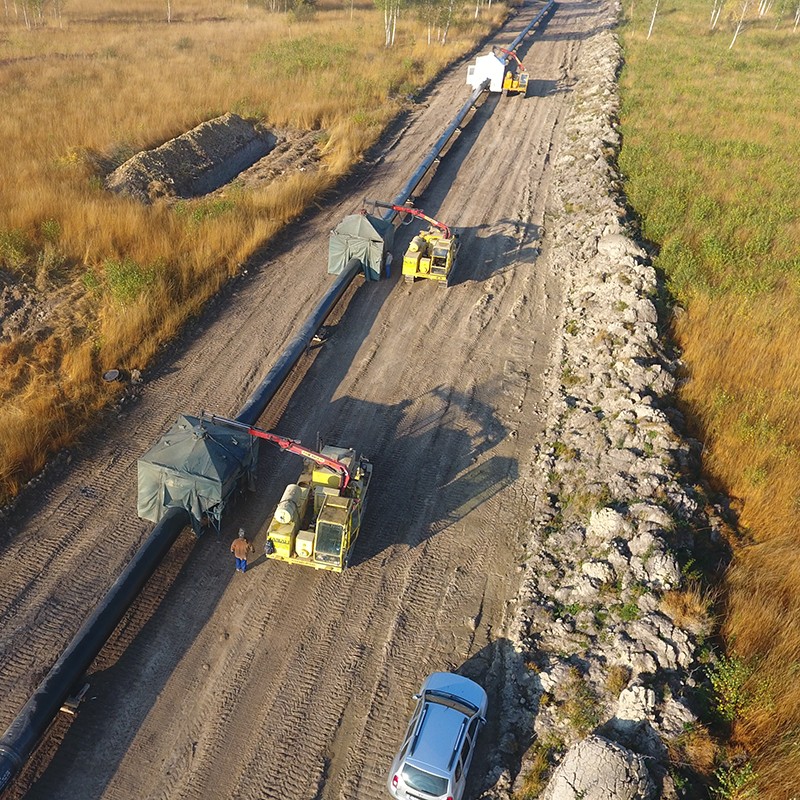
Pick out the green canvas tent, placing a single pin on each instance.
(364, 237)
(198, 466)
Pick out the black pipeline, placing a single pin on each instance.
(513, 46)
(22, 736)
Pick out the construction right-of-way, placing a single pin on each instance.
(428, 384)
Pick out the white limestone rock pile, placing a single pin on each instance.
(616, 774)
(604, 652)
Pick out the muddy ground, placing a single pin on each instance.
(286, 682)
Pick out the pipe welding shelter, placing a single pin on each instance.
(198, 466)
(364, 237)
(487, 66)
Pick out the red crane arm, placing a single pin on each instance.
(513, 55)
(414, 212)
(290, 445)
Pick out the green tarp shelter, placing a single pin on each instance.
(198, 466)
(364, 237)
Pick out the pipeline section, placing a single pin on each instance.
(430, 159)
(22, 736)
(273, 380)
(513, 46)
(20, 739)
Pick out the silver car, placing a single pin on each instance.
(440, 741)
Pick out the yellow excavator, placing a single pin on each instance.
(318, 518)
(430, 254)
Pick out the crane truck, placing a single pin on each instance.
(430, 254)
(318, 518)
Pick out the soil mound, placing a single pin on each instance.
(194, 163)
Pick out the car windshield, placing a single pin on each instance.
(423, 781)
(329, 539)
(451, 701)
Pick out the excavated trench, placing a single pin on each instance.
(210, 156)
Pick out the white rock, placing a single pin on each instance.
(615, 245)
(675, 717)
(606, 524)
(636, 703)
(599, 570)
(598, 769)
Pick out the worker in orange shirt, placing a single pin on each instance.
(240, 549)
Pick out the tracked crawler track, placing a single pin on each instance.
(285, 682)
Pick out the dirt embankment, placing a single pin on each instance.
(210, 156)
(193, 163)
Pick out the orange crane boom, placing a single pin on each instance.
(414, 212)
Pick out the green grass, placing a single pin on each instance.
(710, 151)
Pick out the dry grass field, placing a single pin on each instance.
(711, 157)
(111, 280)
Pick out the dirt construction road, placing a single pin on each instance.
(286, 682)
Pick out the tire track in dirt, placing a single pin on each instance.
(306, 677)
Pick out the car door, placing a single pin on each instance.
(468, 748)
(459, 779)
(462, 766)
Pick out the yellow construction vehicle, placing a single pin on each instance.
(430, 254)
(515, 80)
(318, 518)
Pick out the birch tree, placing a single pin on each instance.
(391, 12)
(428, 13)
(58, 9)
(449, 9)
(739, 25)
(653, 20)
(716, 10)
(479, 4)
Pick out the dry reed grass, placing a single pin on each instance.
(111, 82)
(694, 748)
(691, 607)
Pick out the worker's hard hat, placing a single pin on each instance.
(241, 532)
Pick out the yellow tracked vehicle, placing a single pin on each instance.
(318, 519)
(430, 255)
(516, 80)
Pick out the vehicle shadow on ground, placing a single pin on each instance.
(514, 691)
(443, 461)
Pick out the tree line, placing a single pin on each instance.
(436, 15)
